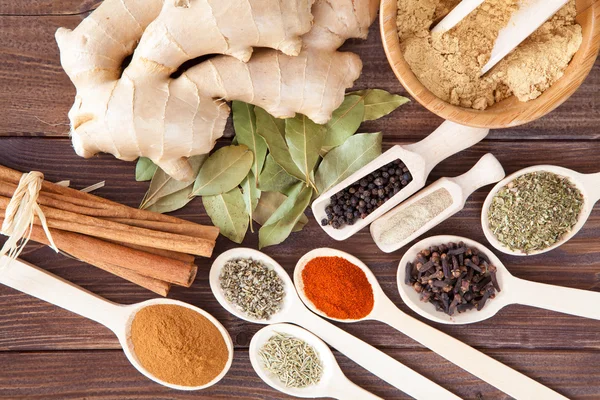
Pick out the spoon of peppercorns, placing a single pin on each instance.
(388, 180)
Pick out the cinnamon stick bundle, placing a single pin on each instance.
(150, 249)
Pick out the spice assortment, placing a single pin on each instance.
(252, 287)
(178, 345)
(146, 248)
(535, 211)
(453, 277)
(363, 197)
(295, 362)
(338, 288)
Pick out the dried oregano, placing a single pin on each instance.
(535, 211)
(253, 287)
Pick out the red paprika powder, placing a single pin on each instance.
(338, 288)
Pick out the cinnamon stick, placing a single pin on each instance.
(93, 251)
(100, 228)
(186, 258)
(118, 213)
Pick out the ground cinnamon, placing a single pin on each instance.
(338, 288)
(178, 345)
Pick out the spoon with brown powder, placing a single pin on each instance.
(526, 20)
(203, 360)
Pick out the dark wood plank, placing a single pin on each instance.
(574, 265)
(39, 94)
(46, 7)
(107, 374)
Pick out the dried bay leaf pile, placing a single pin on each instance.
(274, 167)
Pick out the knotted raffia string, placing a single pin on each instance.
(20, 216)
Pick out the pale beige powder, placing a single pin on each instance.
(449, 65)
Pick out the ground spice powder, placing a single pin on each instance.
(338, 288)
(178, 345)
(449, 64)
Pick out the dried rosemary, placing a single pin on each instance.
(253, 287)
(535, 211)
(293, 361)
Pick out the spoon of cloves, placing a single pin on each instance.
(513, 290)
(471, 360)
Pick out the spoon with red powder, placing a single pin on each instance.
(339, 286)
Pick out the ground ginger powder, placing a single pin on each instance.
(449, 64)
(178, 345)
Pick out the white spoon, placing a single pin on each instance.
(118, 318)
(420, 158)
(588, 184)
(487, 170)
(527, 19)
(514, 290)
(293, 311)
(333, 382)
(473, 361)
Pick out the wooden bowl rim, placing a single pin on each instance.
(509, 112)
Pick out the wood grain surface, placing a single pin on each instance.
(49, 353)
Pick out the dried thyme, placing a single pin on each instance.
(535, 211)
(253, 287)
(293, 361)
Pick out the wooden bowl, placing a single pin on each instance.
(509, 112)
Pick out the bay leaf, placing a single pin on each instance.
(272, 131)
(171, 202)
(269, 202)
(244, 124)
(227, 211)
(304, 139)
(251, 196)
(344, 122)
(274, 178)
(343, 161)
(379, 103)
(163, 185)
(281, 223)
(225, 169)
(144, 169)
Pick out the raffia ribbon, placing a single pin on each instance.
(20, 216)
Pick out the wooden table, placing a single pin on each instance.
(46, 352)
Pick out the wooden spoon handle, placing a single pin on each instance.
(36, 282)
(583, 303)
(488, 170)
(473, 361)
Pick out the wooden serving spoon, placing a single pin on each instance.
(333, 382)
(514, 290)
(38, 283)
(420, 158)
(588, 184)
(473, 361)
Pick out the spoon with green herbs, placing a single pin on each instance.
(296, 362)
(539, 208)
(513, 290)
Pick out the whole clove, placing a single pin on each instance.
(364, 196)
(453, 277)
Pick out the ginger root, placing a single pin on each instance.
(142, 111)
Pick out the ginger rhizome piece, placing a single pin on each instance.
(142, 111)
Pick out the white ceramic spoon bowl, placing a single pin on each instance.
(294, 311)
(333, 382)
(36, 282)
(384, 310)
(588, 184)
(420, 158)
(513, 290)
